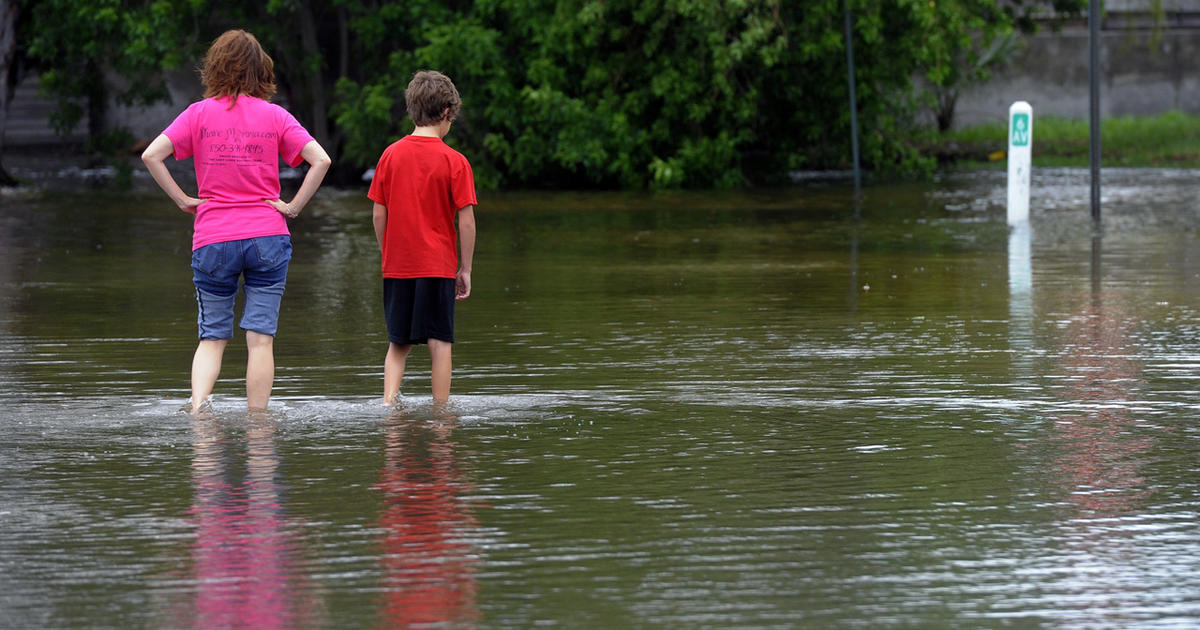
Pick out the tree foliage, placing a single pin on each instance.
(10, 13)
(566, 93)
(93, 52)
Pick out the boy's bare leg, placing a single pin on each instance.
(393, 370)
(206, 367)
(260, 369)
(439, 353)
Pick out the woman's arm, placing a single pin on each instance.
(318, 165)
(153, 156)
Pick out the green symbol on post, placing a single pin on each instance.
(1020, 129)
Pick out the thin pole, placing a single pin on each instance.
(1094, 113)
(853, 96)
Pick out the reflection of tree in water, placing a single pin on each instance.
(1102, 455)
(428, 559)
(245, 572)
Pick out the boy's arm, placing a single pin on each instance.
(380, 219)
(153, 156)
(466, 252)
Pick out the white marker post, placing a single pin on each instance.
(1020, 160)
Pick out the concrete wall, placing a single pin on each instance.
(29, 114)
(29, 119)
(1144, 71)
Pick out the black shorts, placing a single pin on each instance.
(419, 309)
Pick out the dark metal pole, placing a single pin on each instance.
(1094, 113)
(853, 96)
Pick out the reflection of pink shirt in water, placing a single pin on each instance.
(237, 167)
(242, 563)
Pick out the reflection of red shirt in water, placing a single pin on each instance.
(1102, 455)
(428, 575)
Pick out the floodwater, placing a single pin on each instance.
(770, 409)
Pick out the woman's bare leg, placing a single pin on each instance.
(206, 368)
(260, 369)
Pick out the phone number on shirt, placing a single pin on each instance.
(252, 149)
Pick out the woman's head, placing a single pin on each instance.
(237, 64)
(431, 98)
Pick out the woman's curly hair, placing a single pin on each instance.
(237, 64)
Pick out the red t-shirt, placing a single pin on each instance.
(423, 183)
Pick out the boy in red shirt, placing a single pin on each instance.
(420, 187)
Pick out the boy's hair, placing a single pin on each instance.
(428, 97)
(237, 64)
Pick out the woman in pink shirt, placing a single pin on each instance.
(236, 137)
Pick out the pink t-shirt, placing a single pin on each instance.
(237, 154)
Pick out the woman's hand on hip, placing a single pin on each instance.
(284, 208)
(189, 204)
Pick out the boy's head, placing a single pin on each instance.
(431, 98)
(237, 64)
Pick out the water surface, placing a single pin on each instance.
(775, 408)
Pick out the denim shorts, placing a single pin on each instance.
(261, 263)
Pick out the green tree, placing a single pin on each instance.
(658, 93)
(584, 92)
(93, 52)
(805, 121)
(389, 43)
(973, 37)
(10, 12)
(568, 93)
(310, 41)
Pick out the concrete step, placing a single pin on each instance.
(29, 119)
